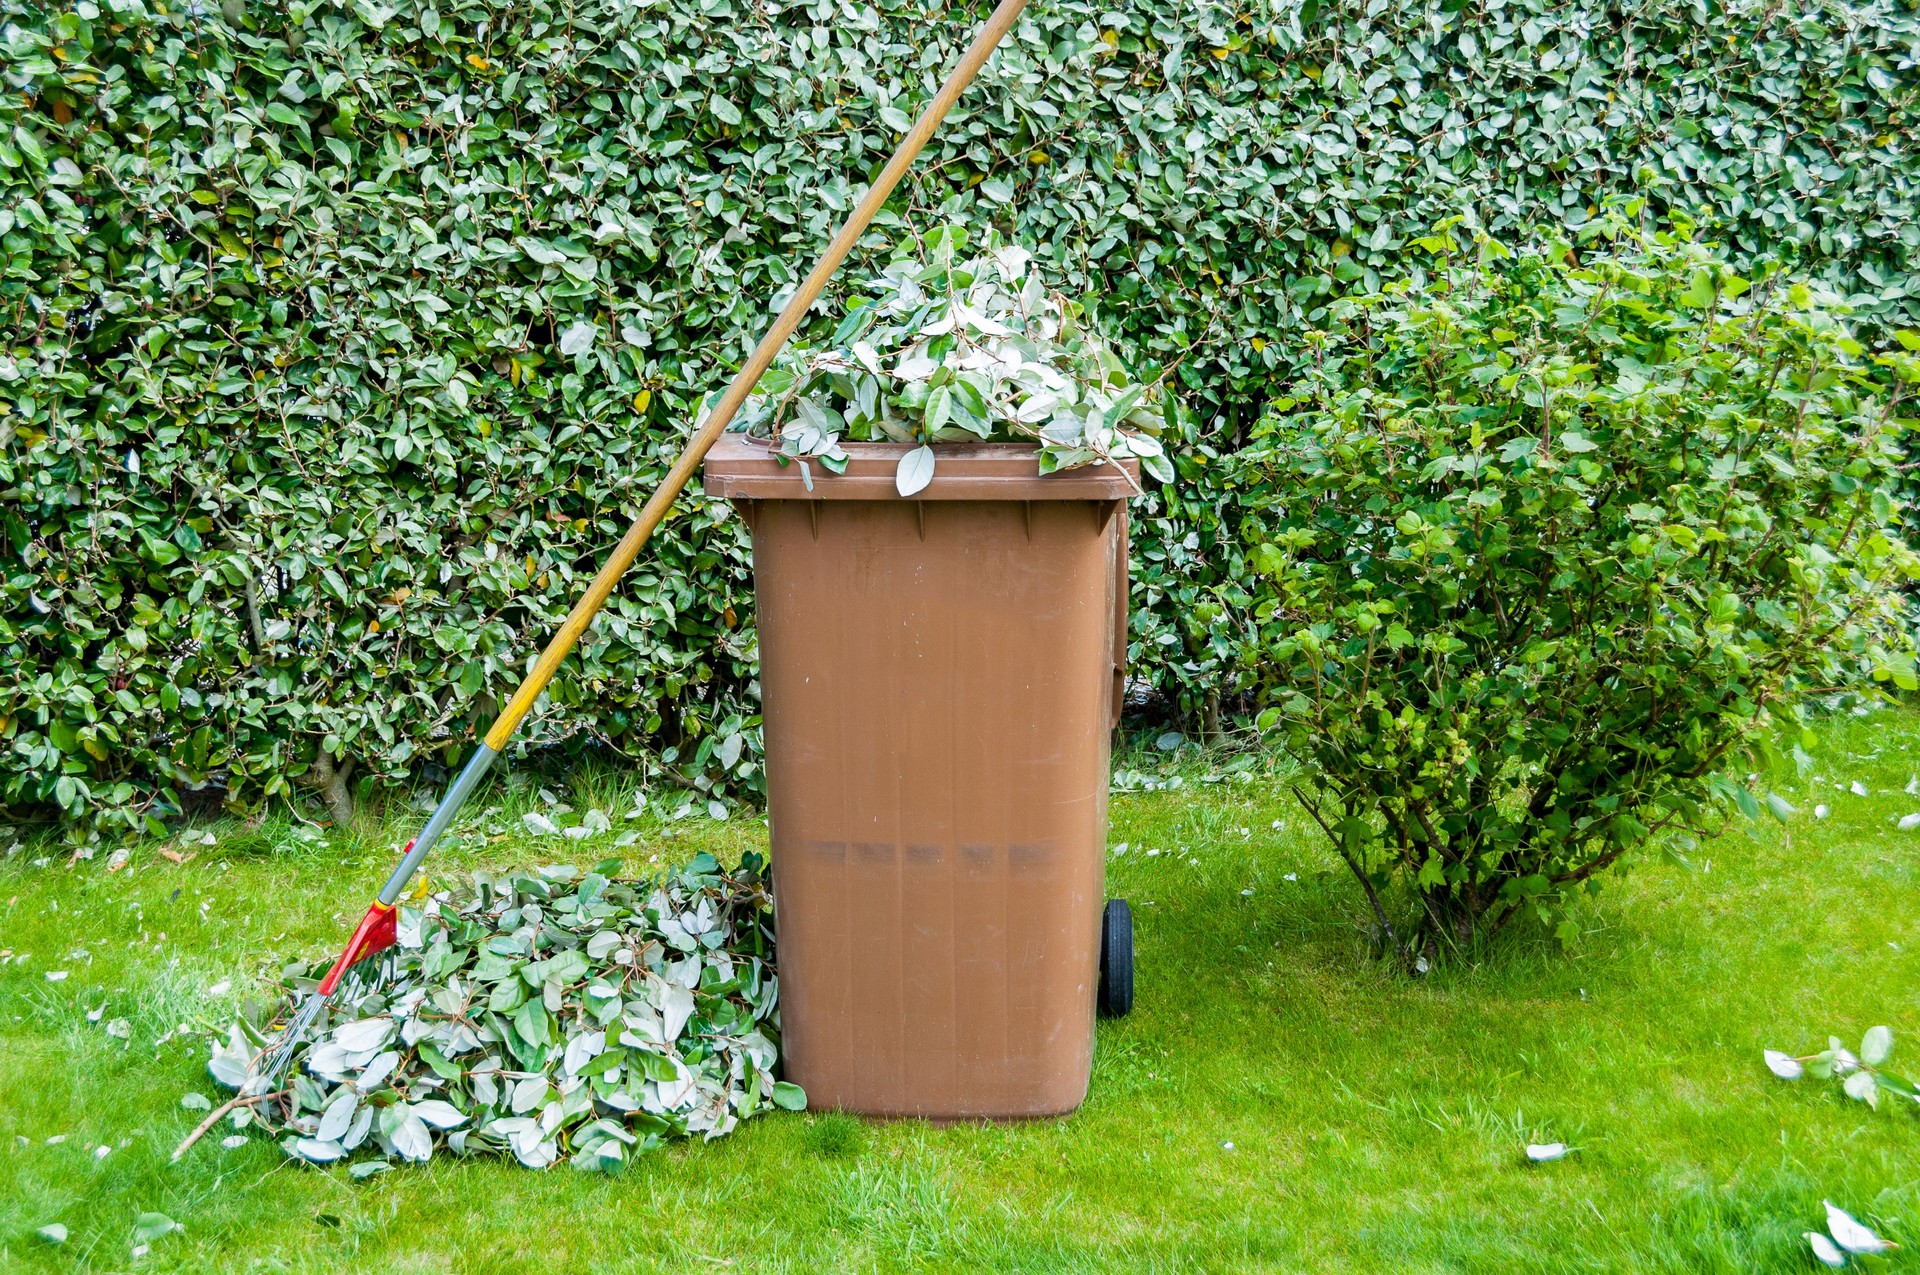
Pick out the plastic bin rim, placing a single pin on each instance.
(741, 468)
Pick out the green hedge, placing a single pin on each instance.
(341, 339)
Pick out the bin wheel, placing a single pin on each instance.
(1116, 959)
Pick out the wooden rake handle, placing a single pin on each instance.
(655, 511)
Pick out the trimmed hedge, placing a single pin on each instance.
(340, 339)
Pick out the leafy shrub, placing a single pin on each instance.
(1549, 540)
(337, 340)
(951, 351)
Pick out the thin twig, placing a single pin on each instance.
(186, 1143)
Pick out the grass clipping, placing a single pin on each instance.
(547, 1013)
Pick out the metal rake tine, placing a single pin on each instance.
(290, 1038)
(356, 984)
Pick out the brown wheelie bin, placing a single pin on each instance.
(939, 679)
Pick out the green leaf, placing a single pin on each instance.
(532, 1023)
(148, 1227)
(1896, 1084)
(439, 1064)
(915, 471)
(939, 407)
(1861, 1086)
(542, 252)
(604, 1062)
(788, 1096)
(1699, 292)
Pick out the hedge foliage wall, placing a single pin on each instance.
(340, 339)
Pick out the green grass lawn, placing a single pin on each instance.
(1277, 1101)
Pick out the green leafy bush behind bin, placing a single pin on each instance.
(340, 339)
(1552, 540)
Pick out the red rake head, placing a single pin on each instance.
(375, 933)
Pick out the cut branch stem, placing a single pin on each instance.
(238, 1100)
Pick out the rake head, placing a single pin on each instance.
(266, 1078)
(374, 935)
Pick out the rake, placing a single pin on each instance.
(376, 931)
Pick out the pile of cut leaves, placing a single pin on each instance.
(547, 1013)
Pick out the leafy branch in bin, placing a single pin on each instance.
(946, 350)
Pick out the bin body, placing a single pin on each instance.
(938, 683)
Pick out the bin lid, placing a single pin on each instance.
(743, 468)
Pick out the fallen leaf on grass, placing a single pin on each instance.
(230, 1062)
(1784, 1066)
(314, 1150)
(1541, 1153)
(1825, 1251)
(53, 1233)
(1852, 1234)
